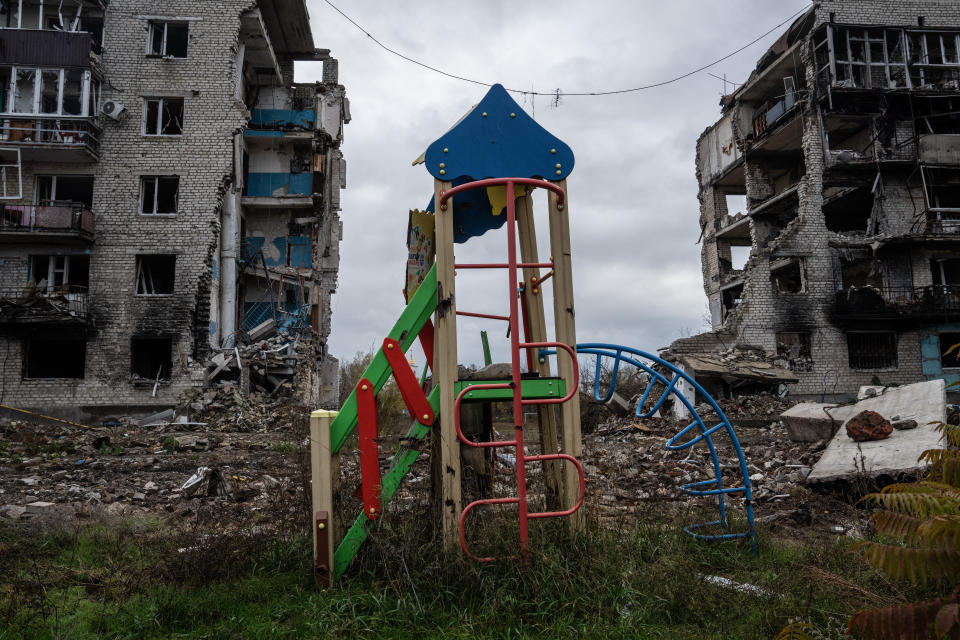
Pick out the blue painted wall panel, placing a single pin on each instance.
(300, 251)
(266, 185)
(283, 118)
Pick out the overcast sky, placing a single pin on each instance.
(633, 191)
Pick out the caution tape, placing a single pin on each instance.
(40, 415)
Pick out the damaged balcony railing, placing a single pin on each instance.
(32, 304)
(903, 302)
(71, 218)
(70, 131)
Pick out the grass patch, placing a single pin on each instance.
(645, 580)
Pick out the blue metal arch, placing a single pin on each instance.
(711, 487)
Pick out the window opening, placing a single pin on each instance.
(864, 272)
(168, 39)
(786, 276)
(64, 190)
(151, 357)
(849, 212)
(794, 347)
(872, 350)
(159, 194)
(739, 257)
(60, 274)
(156, 274)
(163, 117)
(54, 358)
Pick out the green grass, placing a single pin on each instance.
(283, 447)
(645, 581)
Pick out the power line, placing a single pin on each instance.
(559, 93)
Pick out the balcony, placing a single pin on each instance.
(60, 223)
(29, 307)
(283, 119)
(934, 302)
(940, 149)
(279, 189)
(48, 48)
(58, 138)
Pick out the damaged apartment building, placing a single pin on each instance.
(167, 194)
(830, 203)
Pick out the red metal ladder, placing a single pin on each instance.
(516, 346)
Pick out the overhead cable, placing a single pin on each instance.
(559, 93)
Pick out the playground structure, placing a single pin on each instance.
(484, 170)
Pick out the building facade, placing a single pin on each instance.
(166, 188)
(830, 199)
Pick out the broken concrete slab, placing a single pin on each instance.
(812, 421)
(40, 506)
(165, 415)
(924, 402)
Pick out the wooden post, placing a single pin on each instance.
(323, 466)
(564, 318)
(546, 414)
(444, 438)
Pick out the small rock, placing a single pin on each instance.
(903, 425)
(40, 506)
(139, 496)
(868, 425)
(757, 477)
(150, 486)
(32, 481)
(93, 496)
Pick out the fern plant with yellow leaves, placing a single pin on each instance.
(921, 523)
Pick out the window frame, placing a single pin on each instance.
(86, 80)
(154, 25)
(138, 265)
(156, 197)
(894, 359)
(160, 101)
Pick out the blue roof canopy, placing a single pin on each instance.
(497, 139)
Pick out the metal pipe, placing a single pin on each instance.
(229, 232)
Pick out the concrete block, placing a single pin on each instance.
(812, 421)
(40, 506)
(923, 402)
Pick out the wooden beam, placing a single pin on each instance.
(323, 466)
(445, 373)
(546, 414)
(565, 320)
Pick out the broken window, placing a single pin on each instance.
(872, 350)
(60, 274)
(168, 39)
(794, 347)
(151, 357)
(731, 297)
(735, 203)
(64, 190)
(868, 58)
(786, 275)
(159, 194)
(934, 60)
(943, 195)
(44, 91)
(163, 117)
(950, 350)
(54, 358)
(848, 210)
(862, 272)
(156, 274)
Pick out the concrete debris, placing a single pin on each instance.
(812, 421)
(868, 425)
(39, 506)
(903, 425)
(732, 366)
(923, 403)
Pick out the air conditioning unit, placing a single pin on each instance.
(112, 109)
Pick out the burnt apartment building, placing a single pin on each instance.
(166, 189)
(830, 201)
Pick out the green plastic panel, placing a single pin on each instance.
(405, 331)
(389, 484)
(531, 388)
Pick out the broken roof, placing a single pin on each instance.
(734, 367)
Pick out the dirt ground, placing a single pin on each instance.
(253, 449)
